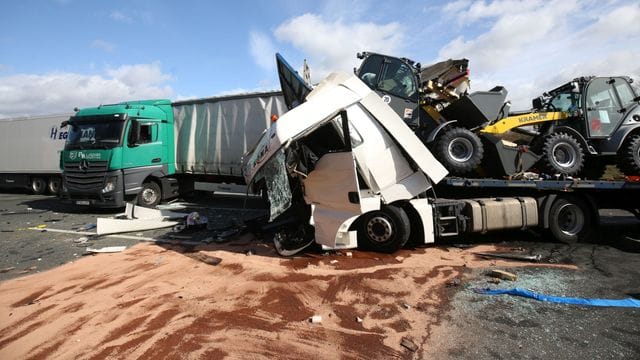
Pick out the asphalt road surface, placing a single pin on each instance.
(474, 326)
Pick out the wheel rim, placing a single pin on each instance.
(149, 196)
(54, 185)
(38, 185)
(379, 229)
(570, 219)
(564, 155)
(460, 149)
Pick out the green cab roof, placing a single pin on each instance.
(138, 108)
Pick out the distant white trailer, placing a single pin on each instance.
(30, 152)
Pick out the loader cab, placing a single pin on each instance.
(395, 80)
(607, 101)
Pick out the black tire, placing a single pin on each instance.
(570, 219)
(385, 230)
(460, 150)
(150, 195)
(562, 154)
(629, 156)
(53, 185)
(38, 185)
(593, 168)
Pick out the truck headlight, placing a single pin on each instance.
(109, 185)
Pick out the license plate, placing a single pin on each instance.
(82, 202)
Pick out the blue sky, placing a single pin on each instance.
(58, 54)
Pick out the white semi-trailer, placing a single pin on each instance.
(30, 156)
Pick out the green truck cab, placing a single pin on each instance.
(116, 153)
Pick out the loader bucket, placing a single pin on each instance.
(476, 109)
(503, 158)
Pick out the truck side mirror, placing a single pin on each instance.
(134, 133)
(537, 103)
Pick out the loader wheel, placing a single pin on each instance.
(570, 219)
(38, 185)
(150, 195)
(562, 153)
(385, 230)
(460, 150)
(629, 156)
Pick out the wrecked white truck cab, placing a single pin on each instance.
(366, 191)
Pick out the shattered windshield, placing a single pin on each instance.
(94, 133)
(274, 175)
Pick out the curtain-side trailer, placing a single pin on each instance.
(30, 156)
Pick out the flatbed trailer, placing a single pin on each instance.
(568, 209)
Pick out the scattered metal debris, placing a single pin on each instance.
(409, 344)
(108, 249)
(511, 256)
(207, 259)
(504, 275)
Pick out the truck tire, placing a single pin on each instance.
(53, 185)
(38, 185)
(460, 150)
(385, 230)
(629, 156)
(562, 154)
(570, 219)
(150, 195)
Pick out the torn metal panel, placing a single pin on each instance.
(114, 226)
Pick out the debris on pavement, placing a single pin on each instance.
(511, 256)
(86, 227)
(453, 282)
(504, 275)
(7, 269)
(108, 249)
(207, 259)
(315, 319)
(409, 344)
(628, 302)
(114, 226)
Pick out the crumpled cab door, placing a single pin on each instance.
(332, 191)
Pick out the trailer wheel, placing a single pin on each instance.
(629, 156)
(460, 150)
(150, 195)
(562, 153)
(53, 185)
(38, 185)
(570, 219)
(385, 230)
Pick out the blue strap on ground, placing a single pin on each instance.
(628, 302)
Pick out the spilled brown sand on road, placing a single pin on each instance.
(170, 302)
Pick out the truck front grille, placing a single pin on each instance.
(85, 177)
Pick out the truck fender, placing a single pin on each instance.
(573, 132)
(432, 135)
(619, 137)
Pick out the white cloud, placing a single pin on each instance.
(262, 50)
(533, 46)
(332, 45)
(103, 45)
(59, 92)
(120, 16)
